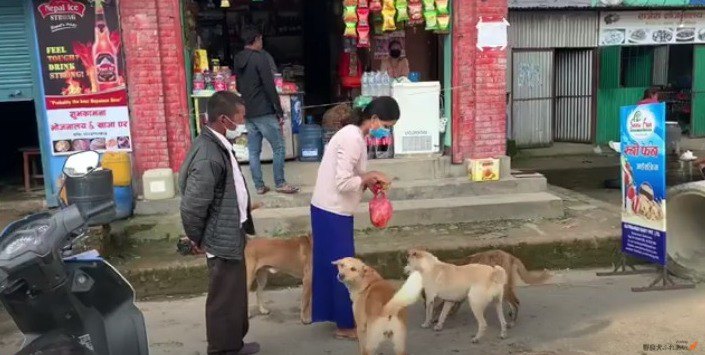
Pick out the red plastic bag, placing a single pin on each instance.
(380, 208)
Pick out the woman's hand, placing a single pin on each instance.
(372, 178)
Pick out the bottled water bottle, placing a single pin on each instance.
(378, 84)
(386, 85)
(365, 84)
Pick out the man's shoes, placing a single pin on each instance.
(249, 349)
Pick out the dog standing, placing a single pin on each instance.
(513, 266)
(379, 309)
(271, 255)
(480, 284)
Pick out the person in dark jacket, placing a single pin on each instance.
(216, 216)
(255, 81)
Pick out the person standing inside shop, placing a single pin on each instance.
(395, 65)
(650, 97)
(342, 179)
(216, 216)
(255, 81)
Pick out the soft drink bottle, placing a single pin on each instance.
(104, 53)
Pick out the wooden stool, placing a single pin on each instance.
(30, 156)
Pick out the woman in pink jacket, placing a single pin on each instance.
(342, 179)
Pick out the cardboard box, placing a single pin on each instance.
(483, 169)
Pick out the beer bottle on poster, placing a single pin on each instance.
(104, 53)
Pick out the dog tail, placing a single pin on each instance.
(499, 275)
(407, 295)
(531, 277)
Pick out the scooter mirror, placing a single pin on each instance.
(80, 164)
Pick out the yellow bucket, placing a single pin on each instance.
(119, 163)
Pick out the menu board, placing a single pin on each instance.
(634, 28)
(83, 75)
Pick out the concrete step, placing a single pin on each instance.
(425, 211)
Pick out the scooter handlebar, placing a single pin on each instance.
(99, 209)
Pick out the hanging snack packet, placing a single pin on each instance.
(431, 20)
(350, 30)
(347, 3)
(350, 14)
(363, 33)
(442, 7)
(429, 5)
(363, 18)
(443, 23)
(362, 3)
(402, 13)
(376, 5)
(388, 13)
(415, 13)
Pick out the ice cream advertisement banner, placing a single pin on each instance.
(83, 75)
(643, 145)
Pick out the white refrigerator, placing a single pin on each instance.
(418, 129)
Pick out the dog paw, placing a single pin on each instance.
(264, 311)
(510, 324)
(425, 325)
(438, 327)
(475, 340)
(503, 335)
(306, 321)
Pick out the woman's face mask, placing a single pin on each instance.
(381, 131)
(395, 53)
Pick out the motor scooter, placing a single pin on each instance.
(63, 302)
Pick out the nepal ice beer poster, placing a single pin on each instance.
(83, 75)
(643, 144)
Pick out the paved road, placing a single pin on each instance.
(578, 314)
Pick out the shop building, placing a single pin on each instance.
(148, 108)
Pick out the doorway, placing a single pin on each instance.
(21, 117)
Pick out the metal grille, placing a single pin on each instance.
(15, 60)
(416, 143)
(574, 96)
(532, 98)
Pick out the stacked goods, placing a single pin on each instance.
(430, 15)
(350, 18)
(363, 24)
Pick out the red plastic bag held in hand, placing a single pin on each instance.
(380, 208)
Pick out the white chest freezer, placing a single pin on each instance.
(418, 129)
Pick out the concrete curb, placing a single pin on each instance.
(192, 279)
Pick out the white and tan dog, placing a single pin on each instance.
(379, 309)
(480, 284)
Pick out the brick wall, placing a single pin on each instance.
(479, 108)
(156, 84)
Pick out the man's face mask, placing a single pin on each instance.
(395, 53)
(232, 131)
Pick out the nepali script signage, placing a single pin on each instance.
(643, 161)
(83, 75)
(635, 28)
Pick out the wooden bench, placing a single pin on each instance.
(31, 157)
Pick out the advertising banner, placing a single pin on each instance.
(643, 145)
(634, 28)
(83, 75)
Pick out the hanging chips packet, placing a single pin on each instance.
(363, 33)
(377, 23)
(402, 12)
(442, 7)
(350, 30)
(415, 13)
(431, 18)
(350, 14)
(443, 23)
(429, 5)
(363, 17)
(388, 12)
(376, 5)
(362, 4)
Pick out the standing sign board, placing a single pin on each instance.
(643, 145)
(83, 75)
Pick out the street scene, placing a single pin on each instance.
(352, 177)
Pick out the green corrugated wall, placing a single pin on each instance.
(698, 104)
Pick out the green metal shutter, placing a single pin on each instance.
(698, 105)
(15, 58)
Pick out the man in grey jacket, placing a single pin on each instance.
(216, 216)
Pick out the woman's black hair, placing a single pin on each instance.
(384, 107)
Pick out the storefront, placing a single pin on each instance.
(651, 48)
(320, 48)
(551, 86)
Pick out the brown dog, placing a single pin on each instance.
(271, 255)
(379, 309)
(512, 265)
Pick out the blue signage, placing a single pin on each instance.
(643, 146)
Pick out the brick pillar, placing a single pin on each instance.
(156, 83)
(479, 108)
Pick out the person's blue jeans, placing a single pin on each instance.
(266, 127)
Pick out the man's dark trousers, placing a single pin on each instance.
(227, 321)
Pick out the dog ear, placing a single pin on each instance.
(336, 262)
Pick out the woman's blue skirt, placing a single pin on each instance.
(333, 239)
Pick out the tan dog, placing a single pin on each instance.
(290, 256)
(379, 309)
(513, 266)
(480, 284)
